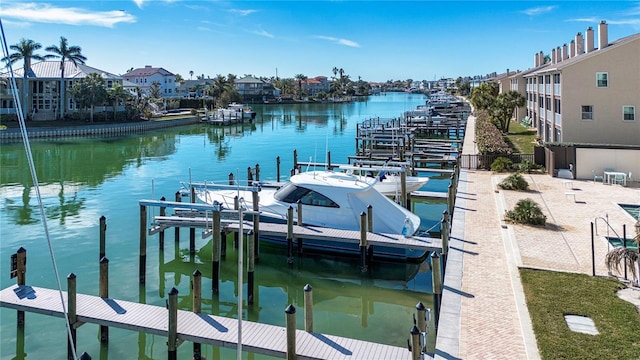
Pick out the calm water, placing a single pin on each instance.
(83, 179)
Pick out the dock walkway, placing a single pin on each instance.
(196, 327)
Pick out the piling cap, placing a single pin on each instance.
(290, 309)
(104, 260)
(415, 330)
(308, 287)
(71, 276)
(197, 273)
(420, 306)
(173, 291)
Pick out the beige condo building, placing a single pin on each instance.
(585, 94)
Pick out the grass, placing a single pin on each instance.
(551, 295)
(521, 138)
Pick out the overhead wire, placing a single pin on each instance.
(34, 177)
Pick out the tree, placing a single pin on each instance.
(117, 94)
(65, 52)
(155, 90)
(503, 107)
(25, 50)
(483, 96)
(624, 255)
(89, 92)
(300, 78)
(190, 74)
(179, 79)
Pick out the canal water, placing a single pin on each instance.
(82, 179)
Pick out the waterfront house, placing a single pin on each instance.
(253, 89)
(587, 94)
(146, 76)
(316, 85)
(43, 84)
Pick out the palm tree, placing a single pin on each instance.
(90, 92)
(117, 94)
(65, 52)
(624, 255)
(504, 106)
(300, 78)
(25, 50)
(190, 74)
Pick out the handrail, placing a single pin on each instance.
(606, 221)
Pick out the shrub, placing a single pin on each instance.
(528, 166)
(514, 182)
(501, 164)
(526, 212)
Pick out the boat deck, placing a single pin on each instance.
(196, 327)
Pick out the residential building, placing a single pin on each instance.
(587, 94)
(253, 89)
(146, 76)
(316, 85)
(43, 84)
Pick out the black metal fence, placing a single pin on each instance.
(469, 161)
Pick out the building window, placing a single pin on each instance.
(629, 113)
(556, 78)
(587, 112)
(556, 105)
(602, 80)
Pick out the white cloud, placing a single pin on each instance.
(242, 12)
(139, 3)
(345, 42)
(46, 13)
(539, 10)
(264, 33)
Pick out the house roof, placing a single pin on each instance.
(248, 80)
(586, 56)
(147, 71)
(51, 70)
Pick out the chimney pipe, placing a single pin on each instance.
(536, 60)
(558, 55)
(579, 44)
(553, 56)
(572, 48)
(565, 53)
(589, 39)
(603, 35)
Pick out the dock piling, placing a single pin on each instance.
(290, 235)
(215, 258)
(197, 308)
(143, 245)
(21, 280)
(250, 266)
(104, 293)
(177, 229)
(363, 242)
(172, 341)
(290, 316)
(163, 212)
(192, 230)
(416, 349)
(71, 314)
(103, 230)
(278, 168)
(308, 308)
(436, 276)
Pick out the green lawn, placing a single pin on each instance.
(521, 138)
(551, 295)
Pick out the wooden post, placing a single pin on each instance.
(403, 190)
(295, 159)
(215, 259)
(250, 266)
(436, 280)
(143, 245)
(71, 315)
(363, 241)
(423, 320)
(278, 168)
(163, 212)
(104, 293)
(172, 341)
(223, 243)
(308, 308)
(249, 176)
(230, 178)
(197, 308)
(450, 199)
(299, 222)
(445, 233)
(416, 349)
(177, 228)
(103, 230)
(236, 235)
(290, 235)
(192, 230)
(290, 316)
(255, 197)
(328, 160)
(370, 218)
(257, 172)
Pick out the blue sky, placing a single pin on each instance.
(371, 40)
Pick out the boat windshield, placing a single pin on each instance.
(291, 193)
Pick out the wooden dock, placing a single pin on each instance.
(197, 327)
(308, 232)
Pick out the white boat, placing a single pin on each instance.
(329, 199)
(233, 113)
(390, 182)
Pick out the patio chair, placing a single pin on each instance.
(597, 177)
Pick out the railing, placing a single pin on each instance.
(480, 161)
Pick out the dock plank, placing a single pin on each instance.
(194, 327)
